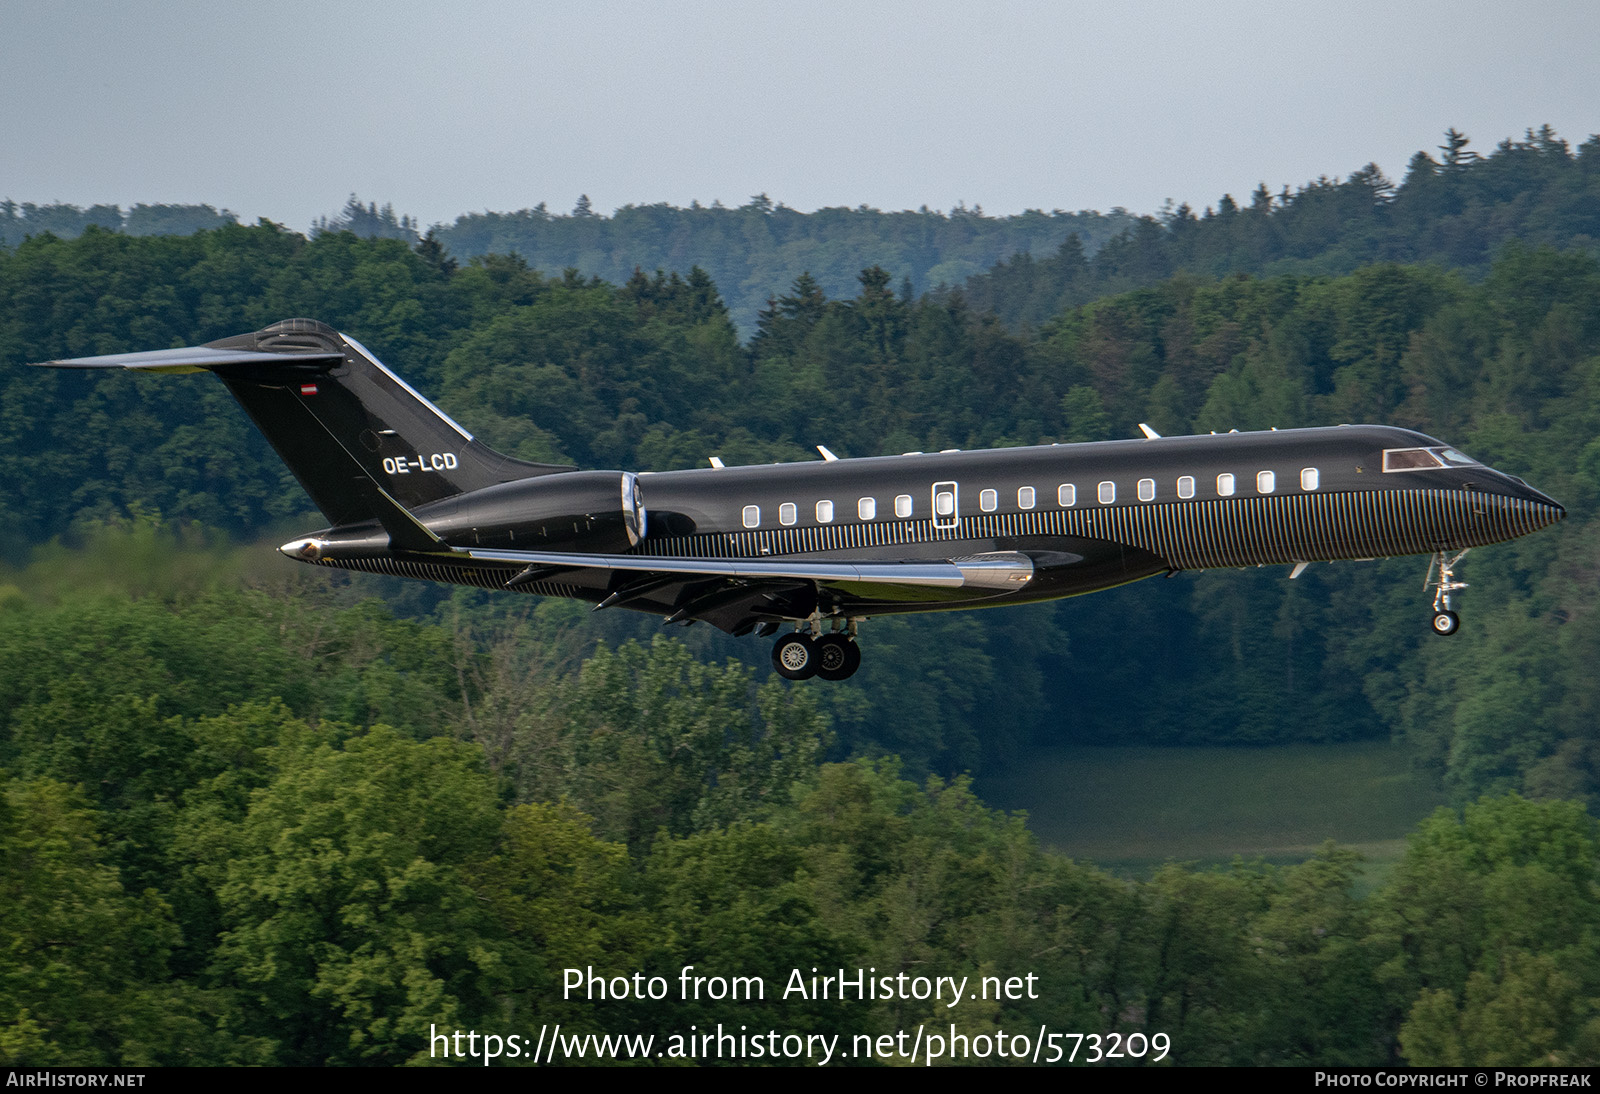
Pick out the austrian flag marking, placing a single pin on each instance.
(308, 389)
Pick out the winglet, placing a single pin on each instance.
(828, 457)
(1149, 434)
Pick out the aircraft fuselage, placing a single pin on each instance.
(1091, 516)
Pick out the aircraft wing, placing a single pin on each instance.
(1008, 570)
(737, 594)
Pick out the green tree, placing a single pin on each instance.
(1489, 932)
(349, 925)
(85, 980)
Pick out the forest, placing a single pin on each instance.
(258, 814)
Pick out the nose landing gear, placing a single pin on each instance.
(1445, 622)
(832, 656)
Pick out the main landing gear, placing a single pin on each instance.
(1445, 622)
(832, 656)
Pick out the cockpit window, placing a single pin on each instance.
(1424, 459)
(1410, 459)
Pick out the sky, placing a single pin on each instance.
(282, 110)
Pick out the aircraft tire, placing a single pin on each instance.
(794, 656)
(1446, 623)
(837, 657)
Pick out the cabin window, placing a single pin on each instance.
(1067, 495)
(902, 505)
(824, 512)
(1266, 482)
(788, 513)
(1147, 489)
(944, 503)
(867, 508)
(1025, 497)
(1186, 486)
(1309, 479)
(752, 516)
(1108, 493)
(988, 500)
(1225, 485)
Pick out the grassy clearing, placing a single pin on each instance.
(1132, 809)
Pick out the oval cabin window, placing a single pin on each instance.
(752, 516)
(867, 508)
(1108, 493)
(1147, 489)
(788, 513)
(824, 512)
(1309, 478)
(1225, 485)
(988, 500)
(1025, 498)
(1266, 482)
(1186, 486)
(902, 505)
(1067, 495)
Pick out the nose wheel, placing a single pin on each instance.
(1445, 622)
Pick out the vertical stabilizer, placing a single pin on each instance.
(343, 423)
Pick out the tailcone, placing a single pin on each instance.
(305, 550)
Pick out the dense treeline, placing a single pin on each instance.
(756, 248)
(748, 251)
(1456, 210)
(650, 375)
(20, 220)
(259, 820)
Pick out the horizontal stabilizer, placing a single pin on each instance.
(363, 442)
(191, 359)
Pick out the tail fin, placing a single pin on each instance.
(340, 419)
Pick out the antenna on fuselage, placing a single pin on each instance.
(827, 457)
(1149, 434)
(716, 461)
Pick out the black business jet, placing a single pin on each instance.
(818, 547)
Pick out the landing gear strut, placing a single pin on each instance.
(808, 652)
(1445, 622)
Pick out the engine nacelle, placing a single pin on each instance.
(600, 511)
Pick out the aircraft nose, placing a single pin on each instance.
(1547, 510)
